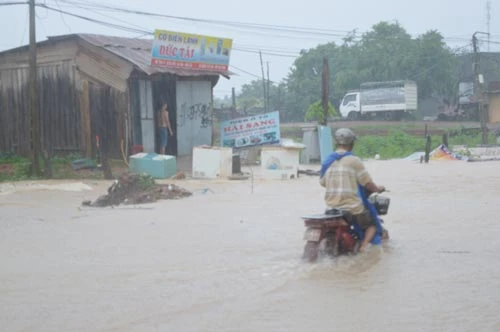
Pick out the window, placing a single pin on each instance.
(349, 98)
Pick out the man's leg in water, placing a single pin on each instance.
(369, 234)
(366, 222)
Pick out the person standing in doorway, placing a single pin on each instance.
(164, 127)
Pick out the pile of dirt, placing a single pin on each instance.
(137, 189)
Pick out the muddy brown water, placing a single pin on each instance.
(229, 260)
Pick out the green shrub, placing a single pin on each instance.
(14, 168)
(315, 112)
(397, 144)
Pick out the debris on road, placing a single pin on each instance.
(137, 189)
(179, 176)
(240, 176)
(309, 172)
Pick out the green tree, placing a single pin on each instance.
(222, 102)
(385, 53)
(436, 67)
(315, 112)
(304, 80)
(252, 96)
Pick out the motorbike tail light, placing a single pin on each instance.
(347, 241)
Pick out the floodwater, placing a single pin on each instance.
(229, 260)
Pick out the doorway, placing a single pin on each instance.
(164, 91)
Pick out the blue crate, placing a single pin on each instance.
(158, 166)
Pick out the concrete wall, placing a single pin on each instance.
(494, 108)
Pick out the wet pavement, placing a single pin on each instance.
(227, 259)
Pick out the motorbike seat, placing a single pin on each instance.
(340, 213)
(336, 212)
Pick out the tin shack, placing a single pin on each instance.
(96, 89)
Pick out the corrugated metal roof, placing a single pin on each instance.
(136, 51)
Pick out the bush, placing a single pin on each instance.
(14, 168)
(315, 111)
(397, 144)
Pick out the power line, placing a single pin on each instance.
(62, 17)
(241, 28)
(93, 7)
(266, 53)
(283, 28)
(145, 32)
(317, 33)
(142, 31)
(108, 16)
(490, 41)
(13, 3)
(111, 25)
(265, 49)
(245, 72)
(314, 31)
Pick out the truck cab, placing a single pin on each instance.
(350, 106)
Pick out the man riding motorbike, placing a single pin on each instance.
(341, 175)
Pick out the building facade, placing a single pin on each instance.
(96, 89)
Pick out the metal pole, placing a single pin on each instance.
(268, 88)
(478, 90)
(33, 105)
(326, 89)
(263, 81)
(233, 104)
(212, 119)
(427, 148)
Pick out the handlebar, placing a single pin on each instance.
(368, 193)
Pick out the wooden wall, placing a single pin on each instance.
(58, 104)
(70, 111)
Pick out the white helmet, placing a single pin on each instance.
(344, 136)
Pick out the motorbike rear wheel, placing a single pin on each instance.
(311, 251)
(330, 246)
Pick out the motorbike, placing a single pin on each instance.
(335, 232)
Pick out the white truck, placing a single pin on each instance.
(387, 100)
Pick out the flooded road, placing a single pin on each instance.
(229, 260)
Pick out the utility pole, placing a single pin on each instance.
(233, 106)
(478, 89)
(326, 88)
(268, 86)
(233, 97)
(263, 81)
(488, 20)
(34, 112)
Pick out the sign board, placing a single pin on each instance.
(466, 93)
(251, 131)
(325, 142)
(188, 51)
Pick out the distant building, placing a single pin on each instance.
(466, 108)
(489, 67)
(494, 102)
(92, 85)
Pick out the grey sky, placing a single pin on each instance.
(455, 19)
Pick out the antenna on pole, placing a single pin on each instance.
(488, 20)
